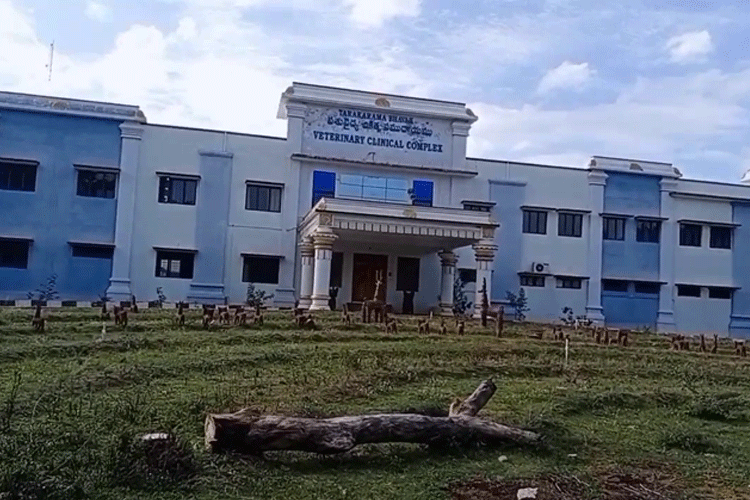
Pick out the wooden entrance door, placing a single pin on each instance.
(366, 270)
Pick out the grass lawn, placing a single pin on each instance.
(641, 420)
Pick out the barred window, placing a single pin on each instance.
(263, 197)
(614, 228)
(721, 237)
(569, 224)
(532, 281)
(535, 222)
(690, 235)
(648, 231)
(177, 190)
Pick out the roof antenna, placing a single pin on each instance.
(51, 59)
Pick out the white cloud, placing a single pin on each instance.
(376, 12)
(566, 76)
(98, 11)
(689, 47)
(649, 120)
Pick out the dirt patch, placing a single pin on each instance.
(617, 484)
(549, 488)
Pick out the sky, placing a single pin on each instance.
(552, 81)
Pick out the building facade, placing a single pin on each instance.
(364, 189)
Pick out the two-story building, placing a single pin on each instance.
(364, 188)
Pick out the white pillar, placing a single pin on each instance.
(448, 265)
(130, 151)
(665, 319)
(284, 295)
(458, 145)
(323, 239)
(594, 310)
(484, 254)
(307, 256)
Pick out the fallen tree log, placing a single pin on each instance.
(245, 432)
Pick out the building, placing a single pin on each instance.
(364, 187)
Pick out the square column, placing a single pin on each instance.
(119, 283)
(323, 239)
(448, 265)
(307, 256)
(594, 310)
(212, 221)
(665, 319)
(484, 254)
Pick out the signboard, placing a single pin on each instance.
(378, 136)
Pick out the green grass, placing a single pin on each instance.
(72, 405)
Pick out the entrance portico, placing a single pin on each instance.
(362, 228)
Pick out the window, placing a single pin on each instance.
(92, 251)
(721, 237)
(477, 206)
(716, 292)
(535, 222)
(174, 264)
(260, 269)
(337, 269)
(177, 190)
(569, 224)
(648, 231)
(614, 228)
(324, 185)
(467, 275)
(14, 254)
(614, 286)
(647, 288)
(421, 193)
(573, 283)
(690, 235)
(263, 197)
(688, 291)
(532, 281)
(96, 184)
(18, 175)
(407, 274)
(368, 187)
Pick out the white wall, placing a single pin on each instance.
(696, 315)
(176, 150)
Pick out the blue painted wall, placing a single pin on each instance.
(739, 325)
(630, 309)
(53, 214)
(630, 258)
(632, 194)
(509, 197)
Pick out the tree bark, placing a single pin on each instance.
(252, 434)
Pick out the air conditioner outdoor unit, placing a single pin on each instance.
(539, 268)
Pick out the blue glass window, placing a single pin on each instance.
(324, 185)
(421, 193)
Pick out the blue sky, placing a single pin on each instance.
(552, 81)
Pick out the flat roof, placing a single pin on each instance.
(373, 93)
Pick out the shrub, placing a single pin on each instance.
(518, 303)
(256, 297)
(46, 291)
(461, 302)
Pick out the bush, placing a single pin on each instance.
(256, 297)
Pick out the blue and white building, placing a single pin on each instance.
(363, 187)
